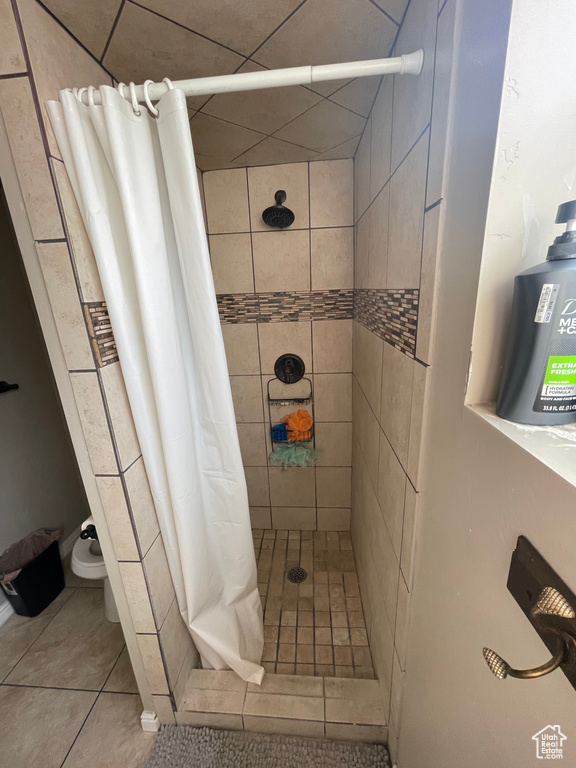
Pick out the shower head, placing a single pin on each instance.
(278, 215)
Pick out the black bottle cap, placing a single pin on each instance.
(564, 246)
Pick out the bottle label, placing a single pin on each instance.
(557, 393)
(545, 308)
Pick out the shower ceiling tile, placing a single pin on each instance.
(216, 138)
(341, 151)
(322, 127)
(325, 31)
(358, 95)
(90, 22)
(273, 151)
(264, 110)
(147, 46)
(394, 8)
(238, 24)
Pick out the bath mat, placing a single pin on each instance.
(181, 746)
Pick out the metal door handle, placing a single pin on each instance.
(553, 613)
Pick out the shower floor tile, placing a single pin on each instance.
(315, 627)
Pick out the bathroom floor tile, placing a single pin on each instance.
(121, 679)
(38, 725)
(19, 632)
(115, 722)
(324, 608)
(78, 649)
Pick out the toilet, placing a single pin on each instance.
(88, 563)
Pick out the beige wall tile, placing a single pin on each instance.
(241, 343)
(354, 690)
(63, 294)
(247, 396)
(281, 338)
(57, 60)
(175, 640)
(280, 725)
(366, 712)
(201, 719)
(367, 432)
(362, 252)
(397, 378)
(257, 482)
(334, 441)
(334, 486)
(332, 256)
(417, 427)
(163, 709)
(441, 104)
(362, 172)
(221, 702)
(21, 121)
(82, 253)
(333, 519)
(411, 503)
(281, 260)
(11, 56)
(142, 505)
(120, 414)
(94, 424)
(289, 707)
(378, 240)
(413, 95)
(226, 194)
(118, 518)
(159, 581)
(331, 193)
(407, 196)
(260, 517)
(263, 184)
(292, 487)
(391, 490)
(231, 258)
(293, 518)
(402, 622)
(381, 139)
(215, 680)
(150, 650)
(253, 445)
(367, 364)
(137, 596)
(332, 346)
(333, 397)
(433, 221)
(378, 734)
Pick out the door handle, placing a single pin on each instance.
(554, 614)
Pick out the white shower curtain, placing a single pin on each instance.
(135, 181)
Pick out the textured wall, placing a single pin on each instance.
(398, 209)
(288, 291)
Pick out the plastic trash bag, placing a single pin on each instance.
(22, 552)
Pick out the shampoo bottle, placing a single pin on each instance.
(539, 381)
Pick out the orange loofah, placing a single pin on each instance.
(299, 426)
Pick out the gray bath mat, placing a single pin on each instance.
(181, 746)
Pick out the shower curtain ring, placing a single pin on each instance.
(153, 111)
(91, 90)
(134, 100)
(80, 92)
(168, 83)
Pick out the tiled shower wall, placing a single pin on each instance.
(398, 213)
(290, 291)
(37, 58)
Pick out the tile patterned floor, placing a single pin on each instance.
(65, 684)
(316, 627)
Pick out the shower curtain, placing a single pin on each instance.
(134, 178)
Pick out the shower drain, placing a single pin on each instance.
(297, 575)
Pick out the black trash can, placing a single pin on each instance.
(38, 582)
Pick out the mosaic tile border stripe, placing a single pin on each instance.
(392, 314)
(285, 306)
(100, 330)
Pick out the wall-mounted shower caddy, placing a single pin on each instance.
(289, 390)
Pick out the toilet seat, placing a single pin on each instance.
(84, 563)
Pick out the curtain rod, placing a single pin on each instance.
(407, 64)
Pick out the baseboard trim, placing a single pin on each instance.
(67, 545)
(6, 611)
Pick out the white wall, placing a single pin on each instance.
(483, 490)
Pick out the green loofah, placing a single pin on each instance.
(294, 455)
